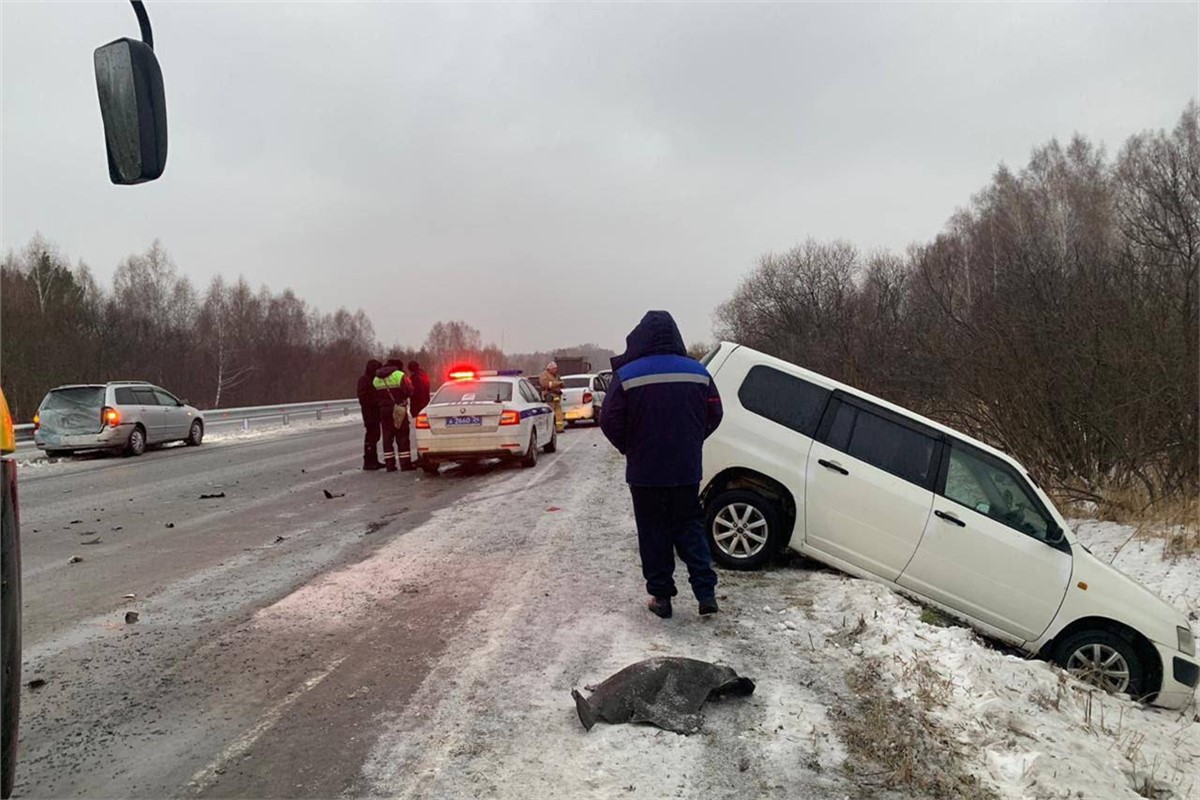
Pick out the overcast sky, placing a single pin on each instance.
(549, 172)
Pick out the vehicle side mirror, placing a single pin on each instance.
(183, 402)
(134, 109)
(1055, 534)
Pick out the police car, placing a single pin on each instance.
(483, 415)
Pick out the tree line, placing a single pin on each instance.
(226, 346)
(1054, 317)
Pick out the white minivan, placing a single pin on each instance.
(877, 491)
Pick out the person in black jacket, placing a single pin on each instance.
(368, 406)
(420, 383)
(392, 390)
(660, 407)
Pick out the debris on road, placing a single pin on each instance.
(130, 596)
(553, 508)
(36, 683)
(170, 524)
(214, 496)
(75, 559)
(279, 539)
(92, 541)
(118, 528)
(331, 495)
(76, 521)
(131, 617)
(666, 692)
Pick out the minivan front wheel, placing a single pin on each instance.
(137, 442)
(1105, 660)
(743, 529)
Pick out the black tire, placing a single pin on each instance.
(57, 453)
(531, 454)
(195, 434)
(430, 467)
(596, 416)
(553, 444)
(137, 442)
(10, 618)
(739, 517)
(1081, 652)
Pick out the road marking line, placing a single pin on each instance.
(205, 777)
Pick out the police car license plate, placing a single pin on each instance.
(456, 421)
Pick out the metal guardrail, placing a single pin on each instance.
(226, 417)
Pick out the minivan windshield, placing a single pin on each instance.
(474, 392)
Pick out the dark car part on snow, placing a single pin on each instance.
(666, 692)
(214, 496)
(332, 495)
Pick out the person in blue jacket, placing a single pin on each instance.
(660, 407)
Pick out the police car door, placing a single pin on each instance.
(539, 417)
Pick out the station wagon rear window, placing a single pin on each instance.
(785, 399)
(74, 398)
(576, 383)
(474, 392)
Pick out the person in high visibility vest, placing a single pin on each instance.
(392, 390)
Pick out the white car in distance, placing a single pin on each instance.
(482, 415)
(583, 397)
(873, 489)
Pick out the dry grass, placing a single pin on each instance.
(1174, 519)
(893, 745)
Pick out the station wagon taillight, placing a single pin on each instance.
(37, 421)
(510, 417)
(110, 416)
(587, 398)
(423, 421)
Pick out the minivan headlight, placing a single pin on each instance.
(1187, 643)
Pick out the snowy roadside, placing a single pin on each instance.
(857, 696)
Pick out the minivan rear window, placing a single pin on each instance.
(894, 448)
(785, 399)
(74, 398)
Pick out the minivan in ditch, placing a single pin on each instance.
(873, 489)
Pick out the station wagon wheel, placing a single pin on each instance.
(743, 529)
(137, 442)
(196, 434)
(1104, 660)
(553, 445)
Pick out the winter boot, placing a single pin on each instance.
(708, 607)
(370, 466)
(660, 606)
(389, 464)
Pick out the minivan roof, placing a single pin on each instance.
(833, 385)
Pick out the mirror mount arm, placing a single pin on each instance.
(139, 8)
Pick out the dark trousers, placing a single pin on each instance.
(670, 520)
(395, 440)
(371, 439)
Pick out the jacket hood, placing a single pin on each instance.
(385, 370)
(372, 367)
(657, 334)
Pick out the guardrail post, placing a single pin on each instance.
(285, 418)
(318, 415)
(246, 425)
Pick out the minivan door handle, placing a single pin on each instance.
(833, 465)
(950, 518)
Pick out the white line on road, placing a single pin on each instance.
(207, 776)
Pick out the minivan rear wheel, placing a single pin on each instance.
(1105, 660)
(743, 529)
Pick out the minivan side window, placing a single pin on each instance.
(904, 452)
(784, 399)
(992, 488)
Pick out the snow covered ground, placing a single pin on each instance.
(857, 695)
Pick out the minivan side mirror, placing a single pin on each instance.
(1055, 535)
(133, 106)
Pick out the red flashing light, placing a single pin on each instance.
(462, 375)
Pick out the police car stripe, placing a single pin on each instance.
(665, 377)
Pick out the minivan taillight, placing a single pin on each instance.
(510, 417)
(587, 398)
(110, 416)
